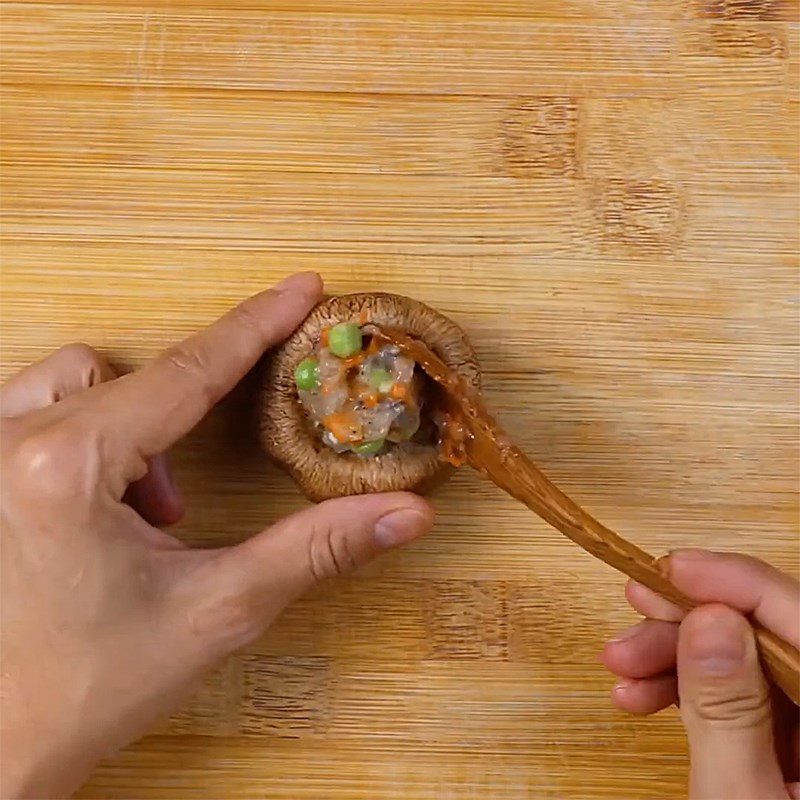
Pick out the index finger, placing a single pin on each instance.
(743, 583)
(170, 395)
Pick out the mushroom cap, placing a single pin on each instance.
(286, 432)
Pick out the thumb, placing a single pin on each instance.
(725, 708)
(244, 588)
(328, 540)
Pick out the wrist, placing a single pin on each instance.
(17, 769)
(26, 775)
(33, 764)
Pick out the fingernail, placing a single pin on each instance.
(689, 554)
(621, 685)
(662, 565)
(716, 642)
(293, 282)
(625, 635)
(400, 526)
(684, 555)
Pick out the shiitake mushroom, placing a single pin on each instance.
(288, 436)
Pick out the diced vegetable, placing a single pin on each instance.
(381, 379)
(354, 361)
(345, 339)
(331, 441)
(306, 375)
(345, 426)
(368, 448)
(399, 391)
(362, 397)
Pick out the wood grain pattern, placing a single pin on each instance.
(492, 452)
(603, 193)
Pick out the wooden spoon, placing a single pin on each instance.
(489, 450)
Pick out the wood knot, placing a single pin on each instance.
(763, 10)
(538, 138)
(638, 214)
(284, 696)
(738, 41)
(467, 620)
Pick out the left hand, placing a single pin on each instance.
(107, 622)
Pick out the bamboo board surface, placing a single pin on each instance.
(604, 193)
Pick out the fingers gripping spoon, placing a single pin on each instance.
(489, 450)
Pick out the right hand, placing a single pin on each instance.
(743, 735)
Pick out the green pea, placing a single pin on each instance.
(368, 448)
(381, 379)
(306, 375)
(344, 339)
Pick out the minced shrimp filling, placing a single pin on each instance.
(362, 396)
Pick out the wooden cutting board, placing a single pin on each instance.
(602, 192)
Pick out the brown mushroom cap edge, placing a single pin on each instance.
(285, 431)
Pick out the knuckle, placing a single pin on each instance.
(41, 449)
(80, 353)
(54, 461)
(190, 362)
(84, 359)
(329, 554)
(245, 317)
(732, 707)
(36, 461)
(736, 697)
(185, 358)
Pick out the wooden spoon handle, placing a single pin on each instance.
(490, 451)
(781, 660)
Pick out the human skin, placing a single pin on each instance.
(108, 622)
(743, 734)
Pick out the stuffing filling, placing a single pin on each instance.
(361, 395)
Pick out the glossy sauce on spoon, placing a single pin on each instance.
(488, 449)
